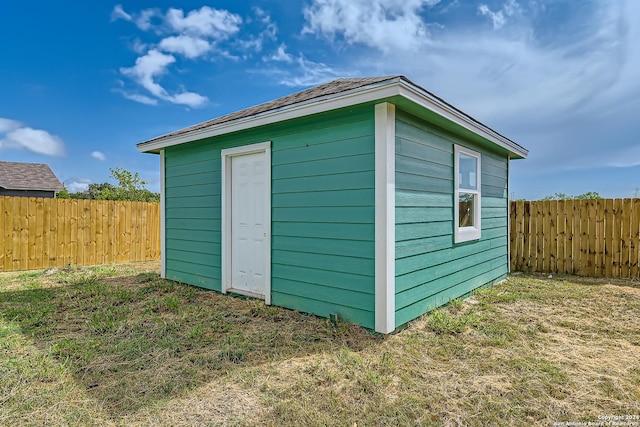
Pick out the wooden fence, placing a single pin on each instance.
(597, 238)
(43, 233)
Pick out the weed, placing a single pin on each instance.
(442, 321)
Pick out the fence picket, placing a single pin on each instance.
(635, 239)
(626, 236)
(599, 238)
(561, 227)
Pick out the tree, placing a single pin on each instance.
(561, 196)
(130, 187)
(63, 194)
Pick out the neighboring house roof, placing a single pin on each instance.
(328, 96)
(28, 176)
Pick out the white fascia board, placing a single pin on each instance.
(385, 218)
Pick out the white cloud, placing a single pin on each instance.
(7, 125)
(190, 47)
(34, 140)
(281, 55)
(256, 43)
(192, 35)
(143, 99)
(561, 89)
(383, 24)
(301, 72)
(119, 13)
(99, 155)
(74, 185)
(499, 18)
(215, 23)
(150, 67)
(147, 68)
(143, 21)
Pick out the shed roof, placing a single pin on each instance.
(28, 176)
(335, 94)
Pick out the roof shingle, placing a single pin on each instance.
(28, 176)
(330, 88)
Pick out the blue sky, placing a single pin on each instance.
(82, 82)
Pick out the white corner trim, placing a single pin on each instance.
(163, 233)
(226, 155)
(509, 214)
(385, 217)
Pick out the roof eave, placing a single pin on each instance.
(379, 91)
(30, 188)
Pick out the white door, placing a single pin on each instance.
(248, 225)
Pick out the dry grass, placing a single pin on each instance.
(117, 345)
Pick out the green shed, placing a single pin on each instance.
(367, 198)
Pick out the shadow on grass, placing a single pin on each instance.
(133, 340)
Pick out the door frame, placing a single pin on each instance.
(226, 156)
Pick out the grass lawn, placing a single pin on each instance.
(117, 345)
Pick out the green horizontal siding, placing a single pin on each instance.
(461, 284)
(430, 269)
(322, 200)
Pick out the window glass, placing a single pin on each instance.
(468, 168)
(466, 210)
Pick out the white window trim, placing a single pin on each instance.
(465, 234)
(226, 155)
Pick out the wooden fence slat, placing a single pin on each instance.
(526, 243)
(590, 250)
(146, 244)
(635, 239)
(73, 233)
(92, 246)
(31, 245)
(513, 236)
(573, 228)
(111, 232)
(626, 236)
(62, 232)
(68, 222)
(537, 264)
(53, 233)
(4, 238)
(98, 236)
(561, 228)
(599, 238)
(608, 237)
(616, 245)
(45, 223)
(135, 232)
(584, 237)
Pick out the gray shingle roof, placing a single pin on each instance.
(328, 91)
(28, 176)
(330, 88)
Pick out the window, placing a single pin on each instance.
(467, 194)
